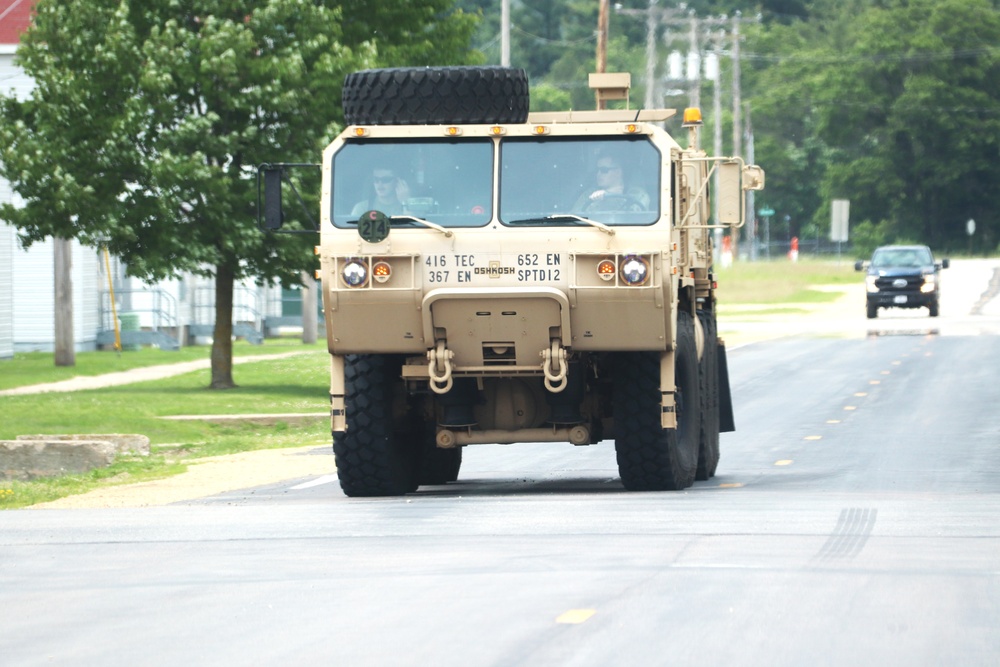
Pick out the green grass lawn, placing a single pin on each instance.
(782, 281)
(289, 385)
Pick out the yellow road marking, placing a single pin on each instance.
(874, 382)
(886, 372)
(832, 421)
(861, 393)
(814, 437)
(731, 485)
(574, 616)
(896, 363)
(850, 407)
(783, 462)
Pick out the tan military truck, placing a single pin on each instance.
(493, 276)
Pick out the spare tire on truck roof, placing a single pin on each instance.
(436, 96)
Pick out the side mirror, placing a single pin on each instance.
(271, 181)
(945, 263)
(859, 266)
(730, 194)
(274, 215)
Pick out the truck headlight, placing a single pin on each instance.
(929, 284)
(355, 273)
(635, 270)
(870, 283)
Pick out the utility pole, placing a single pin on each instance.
(651, 25)
(602, 46)
(737, 118)
(694, 64)
(62, 264)
(505, 33)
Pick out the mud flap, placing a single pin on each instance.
(726, 422)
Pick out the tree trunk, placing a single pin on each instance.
(222, 340)
(65, 345)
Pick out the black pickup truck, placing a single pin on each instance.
(902, 276)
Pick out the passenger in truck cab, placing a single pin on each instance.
(610, 191)
(388, 194)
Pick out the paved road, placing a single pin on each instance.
(855, 520)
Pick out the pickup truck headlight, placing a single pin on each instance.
(929, 283)
(870, 283)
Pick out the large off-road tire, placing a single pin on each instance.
(934, 308)
(708, 384)
(872, 311)
(372, 459)
(436, 96)
(651, 458)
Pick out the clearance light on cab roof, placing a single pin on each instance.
(496, 130)
(631, 128)
(606, 269)
(361, 131)
(453, 131)
(541, 129)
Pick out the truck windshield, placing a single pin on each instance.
(445, 181)
(554, 182)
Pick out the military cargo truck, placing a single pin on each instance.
(492, 275)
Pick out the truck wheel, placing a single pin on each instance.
(708, 385)
(934, 309)
(371, 457)
(872, 311)
(436, 95)
(651, 458)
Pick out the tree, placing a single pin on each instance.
(148, 118)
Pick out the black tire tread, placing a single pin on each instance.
(436, 96)
(370, 460)
(708, 385)
(651, 458)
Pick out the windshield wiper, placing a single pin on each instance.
(425, 223)
(566, 216)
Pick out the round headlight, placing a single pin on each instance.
(635, 270)
(355, 273)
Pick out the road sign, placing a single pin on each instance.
(766, 212)
(839, 214)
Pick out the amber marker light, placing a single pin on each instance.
(631, 128)
(315, 249)
(453, 131)
(541, 129)
(381, 272)
(361, 131)
(606, 269)
(692, 116)
(496, 130)
(318, 275)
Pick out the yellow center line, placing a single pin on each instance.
(832, 421)
(731, 485)
(783, 462)
(814, 437)
(850, 407)
(861, 393)
(874, 382)
(575, 616)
